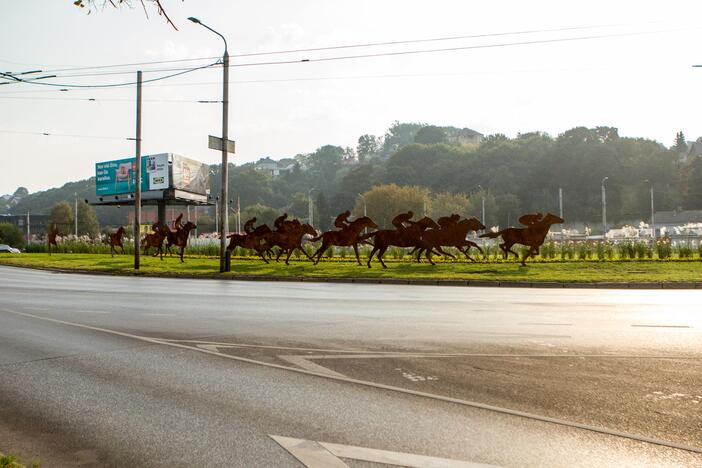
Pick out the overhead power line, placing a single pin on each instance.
(337, 47)
(352, 57)
(66, 135)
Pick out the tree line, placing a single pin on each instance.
(432, 170)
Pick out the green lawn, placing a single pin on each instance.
(576, 271)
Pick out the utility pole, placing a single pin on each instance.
(75, 221)
(653, 213)
(137, 188)
(604, 208)
(560, 202)
(224, 196)
(28, 233)
(310, 206)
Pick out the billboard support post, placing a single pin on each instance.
(137, 169)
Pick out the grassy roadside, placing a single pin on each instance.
(640, 271)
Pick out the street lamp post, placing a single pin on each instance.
(365, 211)
(310, 206)
(604, 208)
(482, 194)
(653, 212)
(223, 208)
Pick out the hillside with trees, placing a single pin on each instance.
(444, 169)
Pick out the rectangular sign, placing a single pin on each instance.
(119, 176)
(215, 143)
(190, 175)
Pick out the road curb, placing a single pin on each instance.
(389, 281)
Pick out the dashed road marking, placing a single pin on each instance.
(314, 454)
(662, 326)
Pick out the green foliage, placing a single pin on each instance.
(446, 204)
(368, 147)
(11, 235)
(430, 135)
(263, 214)
(87, 220)
(384, 202)
(692, 184)
(62, 216)
(323, 217)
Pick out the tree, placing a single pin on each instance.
(11, 235)
(398, 136)
(692, 184)
(680, 143)
(87, 221)
(368, 147)
(263, 214)
(62, 215)
(98, 5)
(323, 217)
(430, 135)
(447, 203)
(384, 202)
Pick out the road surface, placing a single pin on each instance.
(112, 371)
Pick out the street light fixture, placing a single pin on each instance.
(604, 208)
(310, 206)
(223, 208)
(653, 213)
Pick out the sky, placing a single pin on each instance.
(536, 66)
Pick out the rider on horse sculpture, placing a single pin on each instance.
(399, 220)
(341, 221)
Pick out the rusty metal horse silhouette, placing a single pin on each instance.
(346, 237)
(115, 240)
(532, 236)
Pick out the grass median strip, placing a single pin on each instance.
(551, 271)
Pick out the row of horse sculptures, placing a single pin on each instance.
(424, 236)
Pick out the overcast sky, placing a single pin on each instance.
(635, 73)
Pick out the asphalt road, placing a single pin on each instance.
(113, 371)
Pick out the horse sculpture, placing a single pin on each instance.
(51, 237)
(288, 237)
(402, 237)
(450, 234)
(255, 239)
(181, 237)
(155, 239)
(346, 237)
(115, 240)
(532, 236)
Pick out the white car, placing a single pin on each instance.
(4, 248)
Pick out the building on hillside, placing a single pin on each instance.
(463, 136)
(274, 168)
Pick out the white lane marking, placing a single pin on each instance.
(662, 326)
(366, 383)
(159, 315)
(379, 354)
(302, 362)
(317, 455)
(547, 323)
(310, 453)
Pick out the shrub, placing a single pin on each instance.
(11, 235)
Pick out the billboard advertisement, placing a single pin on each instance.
(190, 175)
(117, 177)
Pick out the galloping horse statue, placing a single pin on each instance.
(345, 237)
(288, 237)
(155, 239)
(115, 240)
(400, 237)
(255, 239)
(181, 237)
(532, 236)
(51, 237)
(452, 233)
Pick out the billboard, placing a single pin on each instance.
(116, 177)
(190, 175)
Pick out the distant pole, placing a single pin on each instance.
(653, 216)
(310, 206)
(604, 208)
(75, 221)
(483, 210)
(560, 202)
(137, 188)
(28, 233)
(216, 213)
